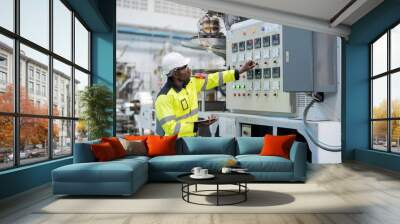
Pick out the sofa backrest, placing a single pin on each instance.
(83, 152)
(206, 145)
(249, 145)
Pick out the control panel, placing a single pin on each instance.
(260, 89)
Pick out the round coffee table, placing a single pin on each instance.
(238, 179)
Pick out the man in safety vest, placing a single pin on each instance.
(176, 105)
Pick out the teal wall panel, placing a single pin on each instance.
(90, 12)
(377, 158)
(357, 99)
(103, 65)
(104, 54)
(356, 85)
(24, 178)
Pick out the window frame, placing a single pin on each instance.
(16, 114)
(388, 74)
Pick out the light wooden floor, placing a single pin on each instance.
(378, 188)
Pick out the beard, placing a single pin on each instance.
(186, 81)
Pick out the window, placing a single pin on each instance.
(37, 74)
(3, 78)
(81, 81)
(81, 45)
(33, 148)
(6, 74)
(3, 61)
(45, 114)
(6, 142)
(55, 101)
(133, 4)
(385, 94)
(37, 89)
(62, 31)
(30, 72)
(172, 8)
(30, 88)
(395, 47)
(35, 22)
(43, 90)
(62, 79)
(7, 14)
(3, 71)
(3, 81)
(62, 137)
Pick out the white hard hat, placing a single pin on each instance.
(173, 60)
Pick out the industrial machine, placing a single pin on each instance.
(144, 112)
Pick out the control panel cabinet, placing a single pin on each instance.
(310, 61)
(288, 60)
(261, 89)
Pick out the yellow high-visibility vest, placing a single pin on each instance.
(177, 109)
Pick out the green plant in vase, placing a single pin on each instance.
(96, 103)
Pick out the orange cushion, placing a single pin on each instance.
(277, 145)
(136, 137)
(116, 145)
(103, 152)
(161, 145)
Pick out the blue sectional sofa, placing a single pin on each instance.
(125, 176)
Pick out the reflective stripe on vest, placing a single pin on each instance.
(193, 112)
(166, 119)
(177, 128)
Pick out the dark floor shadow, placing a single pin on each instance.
(148, 191)
(256, 198)
(94, 196)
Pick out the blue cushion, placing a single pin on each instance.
(257, 163)
(249, 145)
(206, 145)
(185, 163)
(119, 177)
(132, 161)
(83, 152)
(133, 157)
(111, 171)
(93, 172)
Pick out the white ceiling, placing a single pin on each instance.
(321, 9)
(314, 15)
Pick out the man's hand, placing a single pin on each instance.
(247, 66)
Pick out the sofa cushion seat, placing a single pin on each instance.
(184, 163)
(257, 163)
(206, 146)
(132, 158)
(112, 171)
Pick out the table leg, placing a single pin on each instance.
(217, 194)
(245, 193)
(188, 189)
